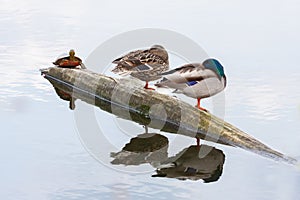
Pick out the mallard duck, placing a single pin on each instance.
(70, 61)
(193, 163)
(146, 65)
(196, 80)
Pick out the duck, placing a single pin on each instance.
(146, 65)
(196, 80)
(70, 61)
(193, 163)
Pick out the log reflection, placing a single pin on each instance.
(193, 163)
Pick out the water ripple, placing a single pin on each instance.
(269, 97)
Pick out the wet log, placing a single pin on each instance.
(160, 111)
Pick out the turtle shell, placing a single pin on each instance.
(66, 62)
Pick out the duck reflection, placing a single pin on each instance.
(194, 163)
(145, 148)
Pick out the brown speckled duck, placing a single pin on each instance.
(146, 65)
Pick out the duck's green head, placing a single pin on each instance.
(214, 65)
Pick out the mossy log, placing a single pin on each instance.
(169, 114)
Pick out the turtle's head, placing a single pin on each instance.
(72, 53)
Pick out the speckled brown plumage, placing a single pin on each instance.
(146, 65)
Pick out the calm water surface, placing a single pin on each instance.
(41, 154)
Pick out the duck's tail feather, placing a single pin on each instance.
(166, 165)
(162, 83)
(116, 61)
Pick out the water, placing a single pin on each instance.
(42, 156)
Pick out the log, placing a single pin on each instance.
(169, 114)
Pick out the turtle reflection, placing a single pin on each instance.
(194, 163)
(66, 96)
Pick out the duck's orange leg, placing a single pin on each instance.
(147, 87)
(198, 105)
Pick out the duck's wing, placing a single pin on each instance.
(189, 73)
(131, 64)
(137, 61)
(127, 56)
(149, 60)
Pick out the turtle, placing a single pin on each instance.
(70, 61)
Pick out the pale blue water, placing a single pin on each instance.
(41, 154)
